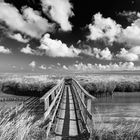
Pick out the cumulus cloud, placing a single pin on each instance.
(18, 37)
(135, 50)
(52, 48)
(65, 67)
(108, 28)
(128, 55)
(29, 23)
(43, 67)
(32, 64)
(59, 11)
(5, 50)
(102, 54)
(103, 28)
(55, 48)
(14, 67)
(27, 50)
(58, 64)
(108, 67)
(131, 34)
(130, 15)
(49, 67)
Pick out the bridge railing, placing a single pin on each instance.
(51, 97)
(85, 101)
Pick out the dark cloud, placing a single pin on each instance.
(131, 16)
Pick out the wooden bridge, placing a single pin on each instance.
(68, 107)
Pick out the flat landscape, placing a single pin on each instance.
(115, 116)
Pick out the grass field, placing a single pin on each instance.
(120, 129)
(104, 85)
(18, 123)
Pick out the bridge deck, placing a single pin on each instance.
(69, 118)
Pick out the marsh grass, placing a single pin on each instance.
(18, 124)
(107, 88)
(24, 88)
(120, 129)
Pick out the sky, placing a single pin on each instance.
(69, 35)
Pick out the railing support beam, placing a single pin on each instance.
(89, 105)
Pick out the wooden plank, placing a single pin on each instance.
(73, 128)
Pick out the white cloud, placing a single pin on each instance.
(103, 27)
(14, 67)
(65, 67)
(18, 37)
(49, 67)
(5, 50)
(108, 28)
(55, 48)
(135, 50)
(77, 61)
(58, 64)
(52, 48)
(59, 11)
(27, 50)
(131, 34)
(128, 55)
(130, 15)
(30, 23)
(32, 64)
(102, 54)
(97, 67)
(43, 67)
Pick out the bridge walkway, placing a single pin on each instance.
(68, 108)
(69, 120)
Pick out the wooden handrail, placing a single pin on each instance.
(85, 92)
(53, 102)
(55, 111)
(51, 91)
(85, 108)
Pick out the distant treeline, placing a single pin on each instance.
(26, 89)
(108, 88)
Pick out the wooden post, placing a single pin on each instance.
(55, 93)
(46, 104)
(83, 97)
(89, 105)
(53, 96)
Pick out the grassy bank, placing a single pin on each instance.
(108, 88)
(26, 85)
(18, 124)
(96, 85)
(26, 89)
(104, 85)
(120, 129)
